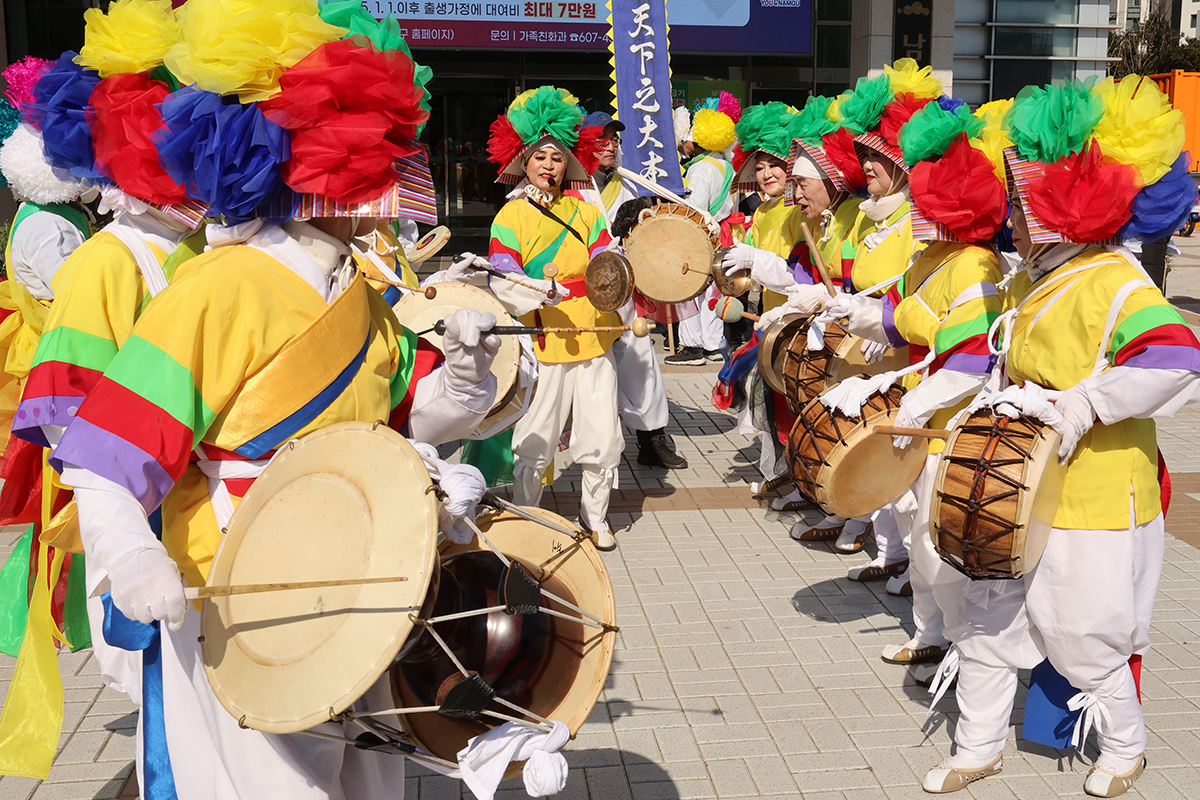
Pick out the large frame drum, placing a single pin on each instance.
(773, 344)
(997, 491)
(810, 373)
(840, 463)
(670, 250)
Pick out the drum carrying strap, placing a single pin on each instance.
(551, 215)
(152, 271)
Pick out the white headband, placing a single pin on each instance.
(805, 167)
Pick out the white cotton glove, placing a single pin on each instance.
(146, 585)
(873, 351)
(1078, 418)
(738, 258)
(807, 299)
(1030, 400)
(469, 350)
(561, 292)
(905, 419)
(767, 317)
(463, 485)
(465, 267)
(843, 306)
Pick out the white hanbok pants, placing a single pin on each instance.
(704, 329)
(643, 395)
(589, 389)
(925, 566)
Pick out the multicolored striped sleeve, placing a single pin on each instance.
(598, 237)
(800, 260)
(416, 360)
(892, 299)
(1151, 334)
(961, 341)
(504, 248)
(99, 295)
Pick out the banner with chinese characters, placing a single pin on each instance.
(641, 62)
(716, 26)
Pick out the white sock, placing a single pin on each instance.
(964, 761)
(1116, 766)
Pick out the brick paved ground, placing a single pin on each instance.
(747, 665)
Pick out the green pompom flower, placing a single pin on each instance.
(929, 132)
(861, 111)
(1051, 122)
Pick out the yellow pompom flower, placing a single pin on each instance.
(834, 112)
(994, 136)
(713, 130)
(133, 37)
(906, 77)
(242, 47)
(1139, 127)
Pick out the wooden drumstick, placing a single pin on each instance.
(550, 293)
(640, 328)
(550, 271)
(916, 433)
(204, 592)
(820, 262)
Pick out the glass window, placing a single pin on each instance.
(1035, 41)
(833, 10)
(1193, 22)
(1046, 11)
(833, 46)
(1010, 77)
(830, 89)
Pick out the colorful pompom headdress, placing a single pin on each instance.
(714, 121)
(543, 117)
(23, 164)
(824, 149)
(878, 107)
(1097, 162)
(957, 192)
(242, 109)
(766, 129)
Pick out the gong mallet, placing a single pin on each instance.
(916, 433)
(820, 262)
(640, 328)
(205, 592)
(550, 293)
(731, 310)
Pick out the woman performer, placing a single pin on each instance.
(540, 226)
(1085, 322)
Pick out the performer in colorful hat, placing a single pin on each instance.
(269, 335)
(542, 149)
(1087, 166)
(940, 309)
(706, 140)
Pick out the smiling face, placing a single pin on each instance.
(814, 196)
(883, 176)
(771, 174)
(607, 146)
(546, 168)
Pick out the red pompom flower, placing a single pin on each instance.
(1084, 197)
(585, 148)
(123, 115)
(739, 157)
(504, 144)
(961, 191)
(352, 112)
(896, 113)
(839, 147)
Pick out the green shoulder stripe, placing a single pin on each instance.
(404, 370)
(949, 337)
(149, 372)
(71, 346)
(1141, 321)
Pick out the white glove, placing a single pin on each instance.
(1078, 418)
(873, 351)
(904, 419)
(767, 317)
(807, 299)
(146, 585)
(464, 487)
(469, 350)
(738, 258)
(465, 267)
(561, 292)
(1030, 400)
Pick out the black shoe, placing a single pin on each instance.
(655, 451)
(714, 356)
(686, 357)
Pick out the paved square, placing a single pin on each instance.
(747, 666)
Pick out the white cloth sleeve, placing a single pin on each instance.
(867, 320)
(112, 523)
(943, 389)
(1139, 393)
(772, 272)
(442, 413)
(704, 182)
(41, 245)
(518, 300)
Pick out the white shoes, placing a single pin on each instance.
(604, 539)
(900, 585)
(1100, 782)
(945, 778)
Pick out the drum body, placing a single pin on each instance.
(416, 312)
(670, 250)
(349, 501)
(839, 463)
(609, 281)
(552, 666)
(774, 342)
(810, 373)
(998, 488)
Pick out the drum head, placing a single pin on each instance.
(429, 245)
(416, 312)
(869, 473)
(609, 281)
(349, 501)
(670, 252)
(580, 657)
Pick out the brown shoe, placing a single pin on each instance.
(815, 533)
(1102, 783)
(847, 545)
(877, 572)
(794, 501)
(913, 652)
(945, 778)
(759, 489)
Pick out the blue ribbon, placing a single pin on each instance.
(158, 781)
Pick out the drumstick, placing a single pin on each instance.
(640, 328)
(916, 433)
(203, 592)
(820, 262)
(730, 309)
(550, 271)
(550, 293)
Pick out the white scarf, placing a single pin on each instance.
(880, 208)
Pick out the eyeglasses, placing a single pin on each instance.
(613, 141)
